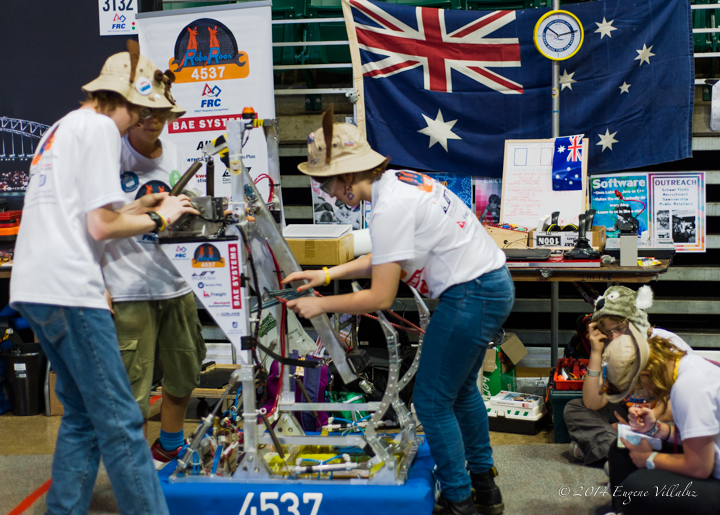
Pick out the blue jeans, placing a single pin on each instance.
(101, 417)
(446, 395)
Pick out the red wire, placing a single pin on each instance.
(272, 184)
(277, 267)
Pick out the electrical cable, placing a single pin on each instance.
(272, 184)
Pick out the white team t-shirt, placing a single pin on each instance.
(695, 399)
(74, 171)
(437, 239)
(135, 268)
(672, 338)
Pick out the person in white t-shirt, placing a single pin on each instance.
(155, 310)
(684, 477)
(592, 421)
(426, 236)
(74, 202)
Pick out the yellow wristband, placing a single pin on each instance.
(327, 276)
(164, 220)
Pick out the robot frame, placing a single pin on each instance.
(220, 450)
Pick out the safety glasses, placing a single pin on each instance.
(614, 332)
(327, 186)
(161, 114)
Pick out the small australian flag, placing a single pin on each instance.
(567, 163)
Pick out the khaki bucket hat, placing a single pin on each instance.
(625, 357)
(349, 151)
(137, 79)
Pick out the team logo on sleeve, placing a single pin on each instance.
(45, 146)
(419, 180)
(152, 187)
(129, 181)
(207, 256)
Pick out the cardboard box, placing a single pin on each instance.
(498, 370)
(507, 238)
(56, 407)
(566, 240)
(326, 251)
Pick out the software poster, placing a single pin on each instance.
(222, 60)
(606, 192)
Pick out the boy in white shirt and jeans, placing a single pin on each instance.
(154, 307)
(70, 206)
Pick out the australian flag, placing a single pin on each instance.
(444, 89)
(567, 163)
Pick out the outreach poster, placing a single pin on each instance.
(605, 192)
(678, 209)
(222, 60)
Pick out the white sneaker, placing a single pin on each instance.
(576, 451)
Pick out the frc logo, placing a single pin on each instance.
(119, 21)
(207, 49)
(212, 94)
(180, 252)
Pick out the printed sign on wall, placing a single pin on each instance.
(678, 209)
(117, 17)
(606, 192)
(222, 60)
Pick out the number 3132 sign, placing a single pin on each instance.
(117, 17)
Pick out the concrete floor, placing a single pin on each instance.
(29, 438)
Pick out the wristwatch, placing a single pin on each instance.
(649, 463)
(654, 429)
(594, 373)
(159, 222)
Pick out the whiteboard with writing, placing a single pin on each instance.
(527, 185)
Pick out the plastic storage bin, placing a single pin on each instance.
(558, 399)
(26, 367)
(515, 412)
(569, 384)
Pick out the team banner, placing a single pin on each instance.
(443, 89)
(222, 60)
(213, 271)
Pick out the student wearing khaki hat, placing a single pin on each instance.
(73, 202)
(426, 236)
(685, 476)
(592, 421)
(154, 308)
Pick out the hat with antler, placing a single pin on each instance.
(338, 148)
(137, 79)
(623, 302)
